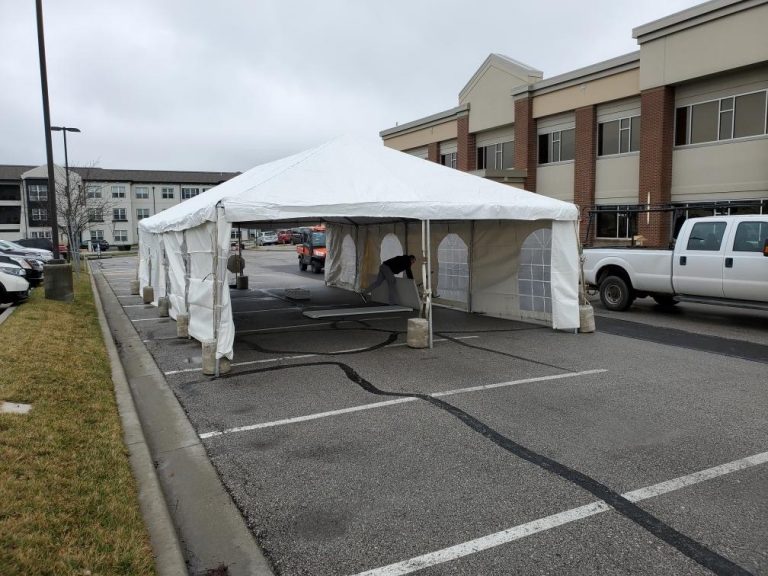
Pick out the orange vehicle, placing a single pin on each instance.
(311, 250)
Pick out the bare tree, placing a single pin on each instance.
(79, 203)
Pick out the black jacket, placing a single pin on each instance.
(400, 263)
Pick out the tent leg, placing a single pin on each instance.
(429, 281)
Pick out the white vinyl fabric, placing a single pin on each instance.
(377, 191)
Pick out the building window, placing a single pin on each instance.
(38, 192)
(10, 214)
(97, 235)
(95, 215)
(118, 215)
(92, 192)
(618, 136)
(118, 191)
(448, 159)
(142, 213)
(728, 118)
(496, 156)
(41, 234)
(39, 214)
(141, 192)
(120, 235)
(557, 146)
(167, 193)
(187, 193)
(10, 192)
(616, 222)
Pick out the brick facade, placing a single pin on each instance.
(433, 152)
(656, 139)
(585, 166)
(466, 154)
(525, 141)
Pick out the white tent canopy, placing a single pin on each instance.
(363, 191)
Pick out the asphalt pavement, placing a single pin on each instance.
(509, 448)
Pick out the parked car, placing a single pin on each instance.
(266, 238)
(7, 246)
(41, 243)
(312, 249)
(102, 244)
(284, 237)
(33, 269)
(296, 235)
(13, 285)
(716, 260)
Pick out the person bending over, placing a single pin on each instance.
(387, 272)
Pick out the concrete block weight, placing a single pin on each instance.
(58, 282)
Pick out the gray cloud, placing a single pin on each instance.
(225, 86)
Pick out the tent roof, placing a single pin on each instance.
(352, 178)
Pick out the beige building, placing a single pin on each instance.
(639, 142)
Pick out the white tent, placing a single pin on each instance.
(363, 191)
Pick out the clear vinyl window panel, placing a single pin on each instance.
(453, 269)
(535, 272)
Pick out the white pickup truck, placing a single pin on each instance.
(717, 259)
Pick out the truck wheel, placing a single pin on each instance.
(665, 300)
(302, 265)
(317, 267)
(615, 293)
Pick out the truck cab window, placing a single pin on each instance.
(750, 237)
(706, 236)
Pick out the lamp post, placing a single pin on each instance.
(64, 130)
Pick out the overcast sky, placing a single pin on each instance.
(201, 85)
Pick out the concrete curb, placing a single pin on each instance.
(165, 543)
(6, 313)
(211, 529)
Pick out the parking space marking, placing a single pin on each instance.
(393, 402)
(135, 305)
(559, 519)
(150, 319)
(279, 358)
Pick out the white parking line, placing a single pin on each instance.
(149, 319)
(279, 358)
(549, 522)
(391, 402)
(135, 305)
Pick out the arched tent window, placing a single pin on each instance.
(390, 247)
(534, 273)
(453, 269)
(348, 261)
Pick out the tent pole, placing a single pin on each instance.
(429, 282)
(216, 281)
(424, 264)
(471, 262)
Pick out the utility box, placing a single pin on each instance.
(58, 282)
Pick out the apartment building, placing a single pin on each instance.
(639, 142)
(116, 199)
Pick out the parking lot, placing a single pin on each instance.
(509, 448)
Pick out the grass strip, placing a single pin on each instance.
(68, 501)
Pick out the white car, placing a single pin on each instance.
(39, 253)
(13, 286)
(266, 238)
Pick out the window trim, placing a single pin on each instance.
(689, 123)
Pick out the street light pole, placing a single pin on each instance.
(47, 121)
